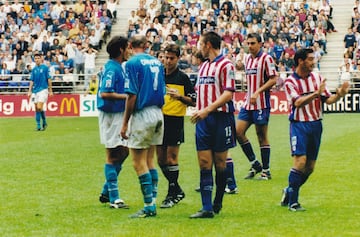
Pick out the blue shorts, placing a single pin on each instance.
(216, 132)
(305, 138)
(258, 117)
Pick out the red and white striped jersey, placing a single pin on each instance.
(295, 86)
(214, 78)
(258, 70)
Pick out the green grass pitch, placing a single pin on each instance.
(50, 181)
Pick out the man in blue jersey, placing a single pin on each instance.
(145, 86)
(39, 89)
(111, 105)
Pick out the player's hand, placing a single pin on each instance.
(344, 89)
(322, 87)
(51, 93)
(253, 98)
(123, 131)
(173, 93)
(199, 115)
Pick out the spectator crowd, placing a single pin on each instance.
(70, 35)
(67, 35)
(285, 26)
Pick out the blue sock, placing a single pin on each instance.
(265, 156)
(206, 187)
(112, 182)
(155, 180)
(146, 187)
(230, 177)
(249, 152)
(37, 118)
(43, 117)
(295, 180)
(220, 180)
(105, 190)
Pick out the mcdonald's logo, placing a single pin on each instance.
(69, 104)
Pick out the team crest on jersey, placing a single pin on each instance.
(108, 78)
(232, 74)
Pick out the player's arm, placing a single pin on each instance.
(185, 99)
(340, 92)
(50, 86)
(306, 99)
(113, 96)
(223, 99)
(129, 109)
(267, 86)
(30, 88)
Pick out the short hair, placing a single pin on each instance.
(213, 38)
(302, 54)
(199, 56)
(173, 48)
(115, 44)
(138, 41)
(256, 36)
(37, 55)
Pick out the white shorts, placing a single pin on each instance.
(40, 97)
(109, 129)
(146, 128)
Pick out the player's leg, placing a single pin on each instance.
(220, 179)
(161, 152)
(242, 125)
(43, 96)
(230, 176)
(147, 131)
(173, 166)
(296, 177)
(115, 158)
(38, 115)
(224, 140)
(153, 172)
(206, 184)
(262, 134)
(299, 144)
(139, 157)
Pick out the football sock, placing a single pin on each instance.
(146, 187)
(112, 182)
(43, 117)
(155, 180)
(304, 178)
(105, 191)
(37, 119)
(295, 180)
(118, 167)
(206, 186)
(230, 177)
(173, 179)
(265, 156)
(247, 149)
(220, 180)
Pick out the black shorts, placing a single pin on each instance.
(173, 130)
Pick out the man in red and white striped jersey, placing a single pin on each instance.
(261, 76)
(305, 91)
(215, 122)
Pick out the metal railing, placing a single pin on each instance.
(76, 83)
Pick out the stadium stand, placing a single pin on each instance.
(69, 28)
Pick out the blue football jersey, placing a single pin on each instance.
(112, 81)
(145, 79)
(40, 75)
